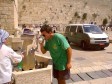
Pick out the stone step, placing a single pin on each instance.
(95, 81)
(83, 78)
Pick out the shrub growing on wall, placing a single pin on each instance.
(105, 21)
(94, 15)
(84, 17)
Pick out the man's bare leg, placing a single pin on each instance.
(60, 81)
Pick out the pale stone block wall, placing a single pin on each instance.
(62, 11)
(39, 76)
(53, 11)
(8, 15)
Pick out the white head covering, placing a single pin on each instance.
(3, 35)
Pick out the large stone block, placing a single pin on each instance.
(17, 43)
(35, 76)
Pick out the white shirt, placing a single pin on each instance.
(7, 56)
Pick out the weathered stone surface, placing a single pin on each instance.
(39, 76)
(8, 15)
(35, 76)
(62, 11)
(59, 12)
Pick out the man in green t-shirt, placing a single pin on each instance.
(60, 52)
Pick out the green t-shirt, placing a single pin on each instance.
(57, 47)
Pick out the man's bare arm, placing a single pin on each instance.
(69, 55)
(42, 49)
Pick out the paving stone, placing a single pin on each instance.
(54, 81)
(110, 70)
(101, 81)
(74, 71)
(101, 74)
(99, 63)
(109, 73)
(109, 66)
(93, 75)
(75, 78)
(84, 76)
(110, 78)
(95, 81)
(97, 68)
(85, 69)
(69, 81)
(81, 82)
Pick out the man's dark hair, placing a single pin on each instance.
(46, 28)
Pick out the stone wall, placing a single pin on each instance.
(8, 15)
(63, 11)
(52, 11)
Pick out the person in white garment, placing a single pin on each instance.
(7, 57)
